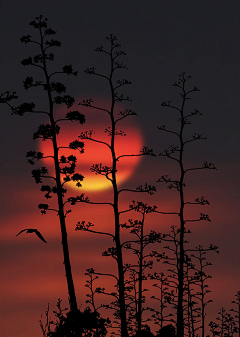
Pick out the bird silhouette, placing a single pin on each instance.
(31, 230)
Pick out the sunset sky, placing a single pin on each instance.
(161, 39)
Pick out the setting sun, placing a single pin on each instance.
(95, 153)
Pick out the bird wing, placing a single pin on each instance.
(21, 231)
(40, 235)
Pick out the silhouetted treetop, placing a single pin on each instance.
(63, 166)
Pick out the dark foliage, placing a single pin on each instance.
(87, 324)
(167, 331)
(73, 324)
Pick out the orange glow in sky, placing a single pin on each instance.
(96, 153)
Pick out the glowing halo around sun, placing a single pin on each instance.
(96, 153)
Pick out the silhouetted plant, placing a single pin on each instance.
(176, 153)
(64, 167)
(171, 259)
(134, 272)
(46, 326)
(138, 246)
(110, 172)
(89, 285)
(237, 312)
(145, 332)
(113, 305)
(167, 331)
(200, 278)
(222, 321)
(191, 309)
(230, 325)
(88, 324)
(221, 318)
(165, 297)
(194, 300)
(213, 328)
(227, 326)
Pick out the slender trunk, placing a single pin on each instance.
(135, 293)
(161, 302)
(222, 322)
(188, 301)
(203, 313)
(180, 325)
(92, 292)
(202, 293)
(139, 316)
(192, 319)
(180, 328)
(121, 285)
(203, 318)
(189, 310)
(239, 317)
(123, 316)
(67, 264)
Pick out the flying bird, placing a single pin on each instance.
(31, 230)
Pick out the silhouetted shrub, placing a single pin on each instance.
(86, 324)
(74, 324)
(145, 332)
(167, 331)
